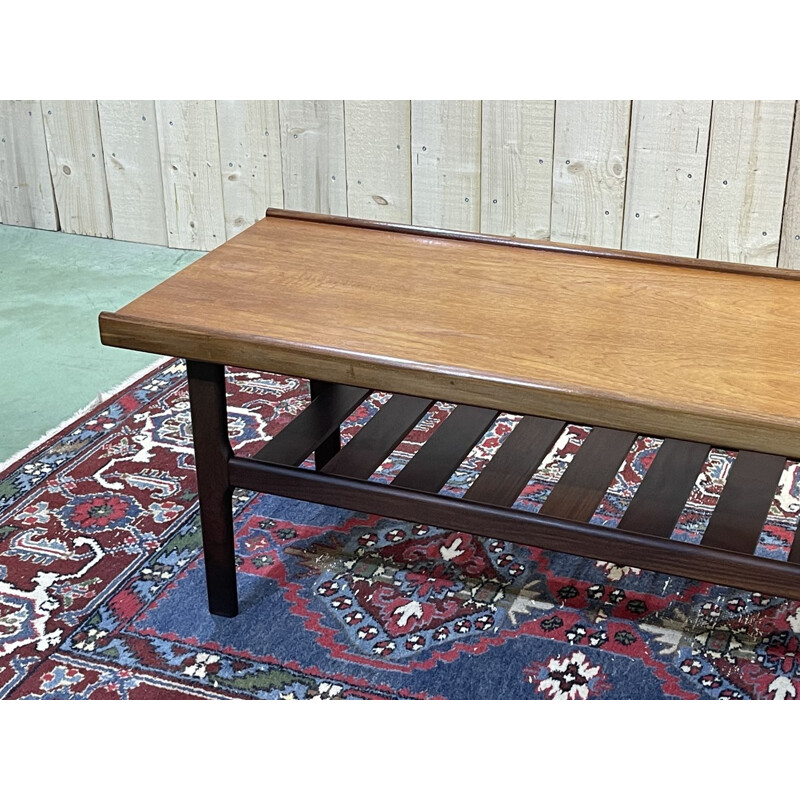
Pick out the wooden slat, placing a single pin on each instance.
(323, 416)
(26, 188)
(517, 167)
(666, 175)
(378, 148)
(748, 161)
(662, 494)
(250, 159)
(789, 257)
(446, 163)
(187, 132)
(742, 508)
(502, 480)
(589, 164)
(75, 152)
(312, 147)
(378, 438)
(616, 255)
(133, 170)
(588, 476)
(447, 447)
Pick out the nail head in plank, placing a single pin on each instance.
(668, 137)
(446, 163)
(447, 447)
(664, 490)
(745, 501)
(133, 170)
(590, 152)
(517, 167)
(250, 160)
(313, 155)
(313, 426)
(368, 449)
(190, 171)
(26, 186)
(75, 155)
(378, 155)
(587, 478)
(748, 163)
(502, 480)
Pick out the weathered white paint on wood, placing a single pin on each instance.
(517, 167)
(748, 161)
(446, 163)
(457, 155)
(250, 157)
(589, 163)
(26, 188)
(189, 144)
(378, 148)
(789, 257)
(133, 170)
(666, 175)
(75, 153)
(312, 144)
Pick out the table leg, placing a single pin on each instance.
(212, 453)
(331, 446)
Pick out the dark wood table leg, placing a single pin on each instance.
(213, 451)
(331, 446)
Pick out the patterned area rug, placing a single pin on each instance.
(102, 592)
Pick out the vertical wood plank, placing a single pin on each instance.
(789, 256)
(666, 175)
(312, 146)
(517, 167)
(250, 158)
(446, 163)
(26, 188)
(378, 150)
(133, 170)
(189, 144)
(589, 164)
(748, 161)
(75, 152)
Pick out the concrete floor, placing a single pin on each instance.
(52, 287)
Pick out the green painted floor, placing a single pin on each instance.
(52, 287)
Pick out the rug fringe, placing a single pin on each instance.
(101, 398)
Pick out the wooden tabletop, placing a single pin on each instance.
(710, 353)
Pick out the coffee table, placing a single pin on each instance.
(698, 353)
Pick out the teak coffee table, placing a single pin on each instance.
(696, 352)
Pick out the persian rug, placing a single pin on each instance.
(102, 590)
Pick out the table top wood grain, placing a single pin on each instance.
(658, 345)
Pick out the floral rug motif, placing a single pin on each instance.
(102, 590)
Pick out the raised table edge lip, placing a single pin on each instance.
(544, 245)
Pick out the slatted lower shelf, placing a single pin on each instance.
(725, 555)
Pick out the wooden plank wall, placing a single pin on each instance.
(714, 179)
